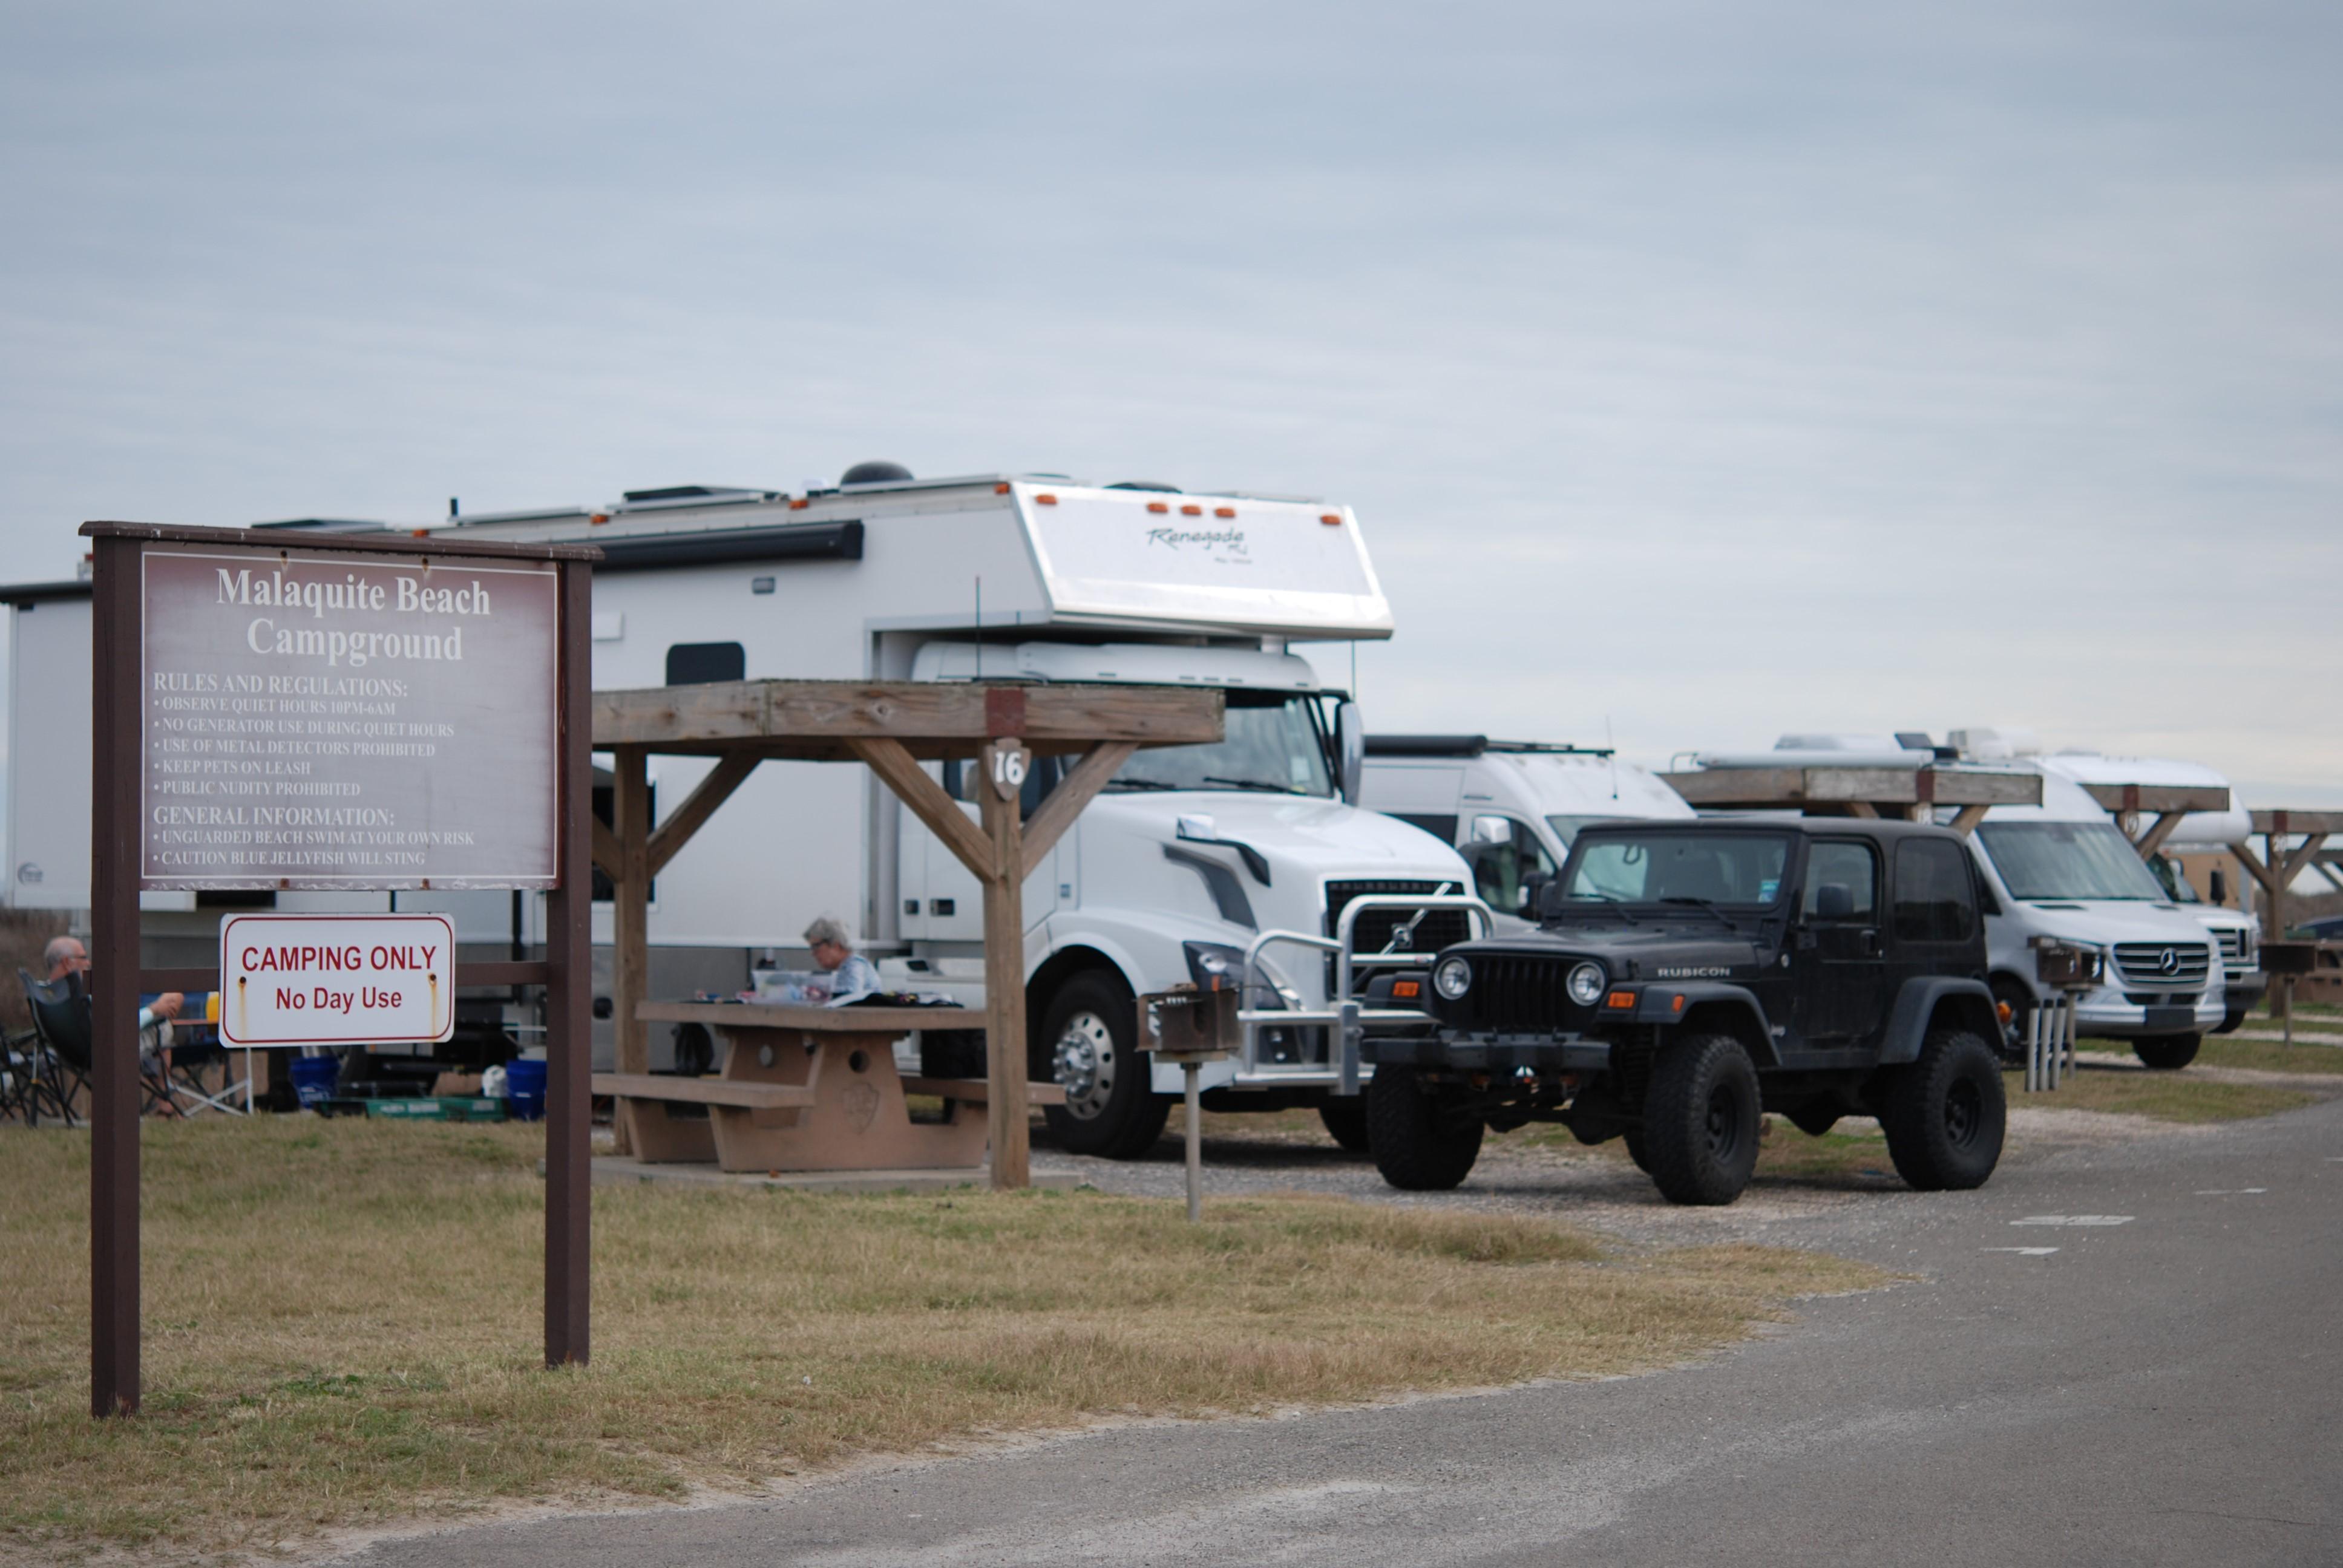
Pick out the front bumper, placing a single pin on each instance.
(2109, 1015)
(1491, 1052)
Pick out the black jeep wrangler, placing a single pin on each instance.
(1687, 976)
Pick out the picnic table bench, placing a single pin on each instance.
(807, 1089)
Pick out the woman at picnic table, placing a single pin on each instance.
(852, 974)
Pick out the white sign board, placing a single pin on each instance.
(337, 979)
(313, 720)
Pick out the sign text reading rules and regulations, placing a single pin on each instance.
(330, 721)
(337, 979)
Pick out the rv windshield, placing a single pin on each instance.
(1274, 745)
(2067, 860)
(1702, 868)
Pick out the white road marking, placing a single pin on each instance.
(2074, 1220)
(2025, 1251)
(2227, 1192)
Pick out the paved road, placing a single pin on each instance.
(2165, 1390)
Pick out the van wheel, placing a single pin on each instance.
(1418, 1146)
(1345, 1117)
(2169, 1053)
(1089, 1036)
(1700, 1119)
(1946, 1113)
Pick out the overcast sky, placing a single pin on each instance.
(1704, 370)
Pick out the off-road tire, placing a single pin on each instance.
(1701, 1117)
(1946, 1113)
(1416, 1146)
(2169, 1053)
(1345, 1119)
(1125, 1117)
(1641, 1156)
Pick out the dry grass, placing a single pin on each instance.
(2260, 1055)
(342, 1326)
(2183, 1096)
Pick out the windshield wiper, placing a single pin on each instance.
(1706, 906)
(1141, 784)
(1251, 784)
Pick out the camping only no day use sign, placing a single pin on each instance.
(337, 979)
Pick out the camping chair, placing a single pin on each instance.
(29, 1087)
(61, 1017)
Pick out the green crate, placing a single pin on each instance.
(438, 1108)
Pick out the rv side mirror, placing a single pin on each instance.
(2220, 886)
(1350, 749)
(1493, 830)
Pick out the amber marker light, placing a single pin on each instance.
(1045, 499)
(1677, 1005)
(1620, 998)
(1001, 488)
(1224, 511)
(1191, 512)
(1407, 987)
(1157, 506)
(1331, 520)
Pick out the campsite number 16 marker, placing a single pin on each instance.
(337, 979)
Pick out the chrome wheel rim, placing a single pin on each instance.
(1083, 1063)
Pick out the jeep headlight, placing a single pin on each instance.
(1585, 984)
(1452, 978)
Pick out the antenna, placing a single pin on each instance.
(1614, 752)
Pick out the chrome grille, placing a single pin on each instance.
(2233, 949)
(2163, 963)
(1438, 928)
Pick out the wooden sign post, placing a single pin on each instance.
(334, 713)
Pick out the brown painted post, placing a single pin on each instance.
(631, 924)
(1004, 977)
(114, 976)
(568, 1014)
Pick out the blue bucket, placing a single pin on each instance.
(524, 1089)
(313, 1080)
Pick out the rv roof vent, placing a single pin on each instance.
(1144, 485)
(878, 471)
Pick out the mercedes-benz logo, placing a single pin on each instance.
(2169, 961)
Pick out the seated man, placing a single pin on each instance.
(65, 956)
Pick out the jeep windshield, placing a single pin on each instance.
(1274, 745)
(1694, 869)
(2065, 861)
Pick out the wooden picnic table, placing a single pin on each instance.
(807, 1089)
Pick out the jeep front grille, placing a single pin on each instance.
(1510, 993)
(1438, 928)
(2163, 963)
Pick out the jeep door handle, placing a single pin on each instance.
(1868, 944)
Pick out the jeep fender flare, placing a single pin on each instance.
(1920, 1002)
(1735, 1008)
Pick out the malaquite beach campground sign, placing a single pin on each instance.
(319, 720)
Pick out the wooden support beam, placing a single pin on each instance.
(1077, 789)
(1860, 808)
(814, 718)
(2155, 837)
(1004, 974)
(605, 850)
(2160, 798)
(1965, 819)
(730, 772)
(925, 798)
(630, 959)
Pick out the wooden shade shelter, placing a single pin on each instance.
(2280, 862)
(2167, 803)
(1908, 793)
(890, 726)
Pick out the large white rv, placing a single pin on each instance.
(1169, 875)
